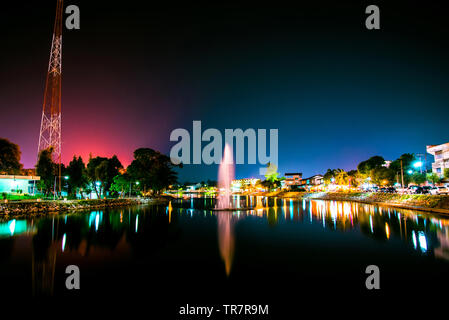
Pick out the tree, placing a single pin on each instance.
(329, 175)
(353, 178)
(152, 169)
(366, 166)
(433, 178)
(272, 179)
(418, 178)
(446, 173)
(121, 184)
(77, 179)
(341, 177)
(382, 176)
(9, 157)
(101, 172)
(46, 168)
(407, 160)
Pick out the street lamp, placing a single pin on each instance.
(410, 171)
(418, 164)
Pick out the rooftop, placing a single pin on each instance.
(20, 177)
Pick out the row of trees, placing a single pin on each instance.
(150, 171)
(375, 171)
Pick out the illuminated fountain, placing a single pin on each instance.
(225, 177)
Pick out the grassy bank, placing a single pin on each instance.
(34, 207)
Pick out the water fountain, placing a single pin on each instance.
(225, 176)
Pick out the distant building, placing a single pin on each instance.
(293, 179)
(243, 184)
(194, 187)
(315, 180)
(18, 184)
(441, 157)
(387, 163)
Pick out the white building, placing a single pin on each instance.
(441, 155)
(18, 184)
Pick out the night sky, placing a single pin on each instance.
(337, 92)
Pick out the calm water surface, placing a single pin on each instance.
(188, 252)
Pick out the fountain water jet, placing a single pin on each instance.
(225, 177)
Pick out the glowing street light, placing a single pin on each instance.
(410, 171)
(417, 164)
(66, 177)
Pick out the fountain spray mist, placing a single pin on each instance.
(225, 177)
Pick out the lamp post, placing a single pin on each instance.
(418, 164)
(98, 184)
(66, 178)
(137, 183)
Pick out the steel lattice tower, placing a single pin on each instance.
(50, 132)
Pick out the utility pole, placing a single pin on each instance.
(402, 175)
(425, 162)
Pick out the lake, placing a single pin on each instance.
(189, 253)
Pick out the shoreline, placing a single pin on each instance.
(28, 208)
(441, 211)
(420, 202)
(438, 204)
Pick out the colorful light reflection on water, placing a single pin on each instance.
(190, 231)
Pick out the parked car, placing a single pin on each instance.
(416, 190)
(372, 189)
(439, 190)
(402, 190)
(427, 189)
(391, 190)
